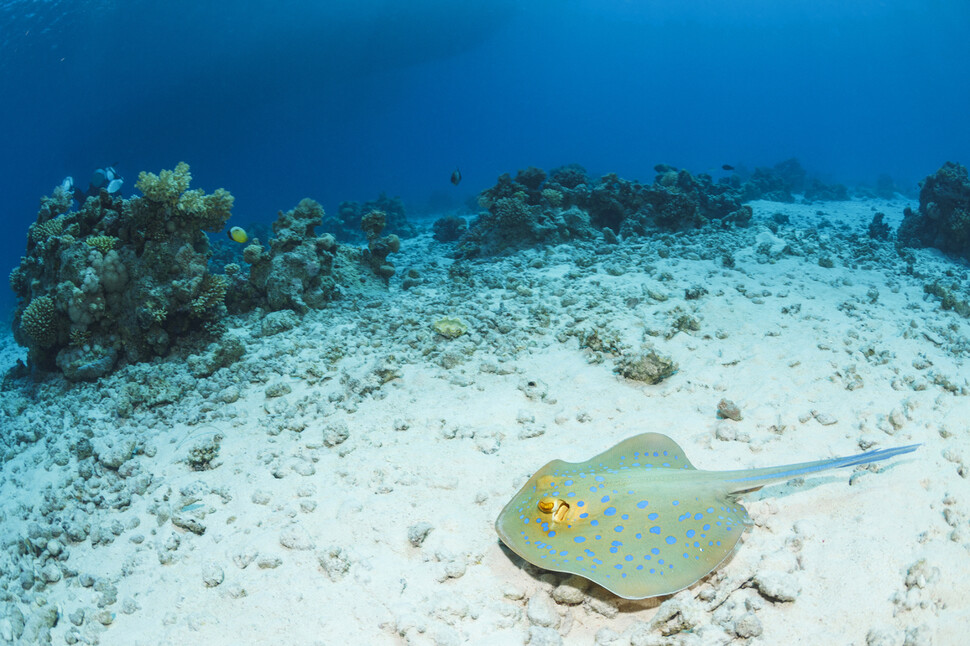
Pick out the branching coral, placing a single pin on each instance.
(169, 207)
(211, 301)
(41, 231)
(37, 321)
(104, 244)
(166, 187)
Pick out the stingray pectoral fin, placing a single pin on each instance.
(646, 449)
(752, 479)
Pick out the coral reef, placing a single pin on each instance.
(302, 270)
(119, 278)
(776, 184)
(296, 273)
(786, 178)
(379, 247)
(449, 228)
(878, 229)
(347, 225)
(566, 205)
(943, 218)
(816, 190)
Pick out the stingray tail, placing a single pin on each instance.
(752, 479)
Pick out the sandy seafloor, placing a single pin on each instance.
(378, 428)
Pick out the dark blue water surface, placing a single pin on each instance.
(284, 99)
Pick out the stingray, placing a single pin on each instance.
(639, 519)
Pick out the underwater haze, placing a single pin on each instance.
(276, 101)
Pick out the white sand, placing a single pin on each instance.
(306, 543)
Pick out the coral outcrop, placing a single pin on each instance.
(302, 270)
(565, 205)
(943, 218)
(347, 225)
(119, 279)
(449, 228)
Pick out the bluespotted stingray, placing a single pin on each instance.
(639, 519)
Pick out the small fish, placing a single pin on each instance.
(727, 167)
(456, 177)
(639, 519)
(237, 234)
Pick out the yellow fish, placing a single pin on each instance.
(238, 234)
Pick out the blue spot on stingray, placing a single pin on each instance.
(670, 540)
(654, 550)
(597, 561)
(710, 510)
(581, 504)
(592, 489)
(618, 528)
(642, 504)
(706, 527)
(639, 535)
(627, 558)
(652, 571)
(589, 551)
(653, 516)
(690, 533)
(675, 503)
(605, 499)
(580, 539)
(625, 516)
(599, 478)
(655, 530)
(616, 543)
(567, 483)
(609, 511)
(618, 566)
(686, 556)
(552, 533)
(698, 516)
(613, 550)
(583, 515)
(594, 523)
(545, 527)
(639, 567)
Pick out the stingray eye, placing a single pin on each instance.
(555, 506)
(561, 510)
(546, 505)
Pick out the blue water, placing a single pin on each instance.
(284, 99)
